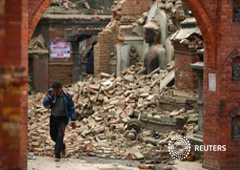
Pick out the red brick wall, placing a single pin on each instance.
(185, 77)
(36, 8)
(62, 73)
(56, 33)
(228, 90)
(135, 7)
(106, 43)
(24, 87)
(13, 97)
(221, 36)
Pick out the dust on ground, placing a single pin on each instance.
(83, 163)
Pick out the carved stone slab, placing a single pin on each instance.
(236, 128)
(234, 54)
(234, 118)
(236, 13)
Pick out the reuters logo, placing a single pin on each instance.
(179, 147)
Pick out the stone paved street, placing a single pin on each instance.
(86, 163)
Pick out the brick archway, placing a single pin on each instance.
(36, 8)
(221, 37)
(206, 24)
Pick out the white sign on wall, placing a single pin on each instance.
(82, 45)
(212, 81)
(60, 50)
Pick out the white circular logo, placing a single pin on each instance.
(179, 147)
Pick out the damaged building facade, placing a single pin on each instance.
(125, 33)
(62, 39)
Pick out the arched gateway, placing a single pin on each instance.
(219, 23)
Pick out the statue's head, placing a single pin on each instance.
(152, 33)
(133, 49)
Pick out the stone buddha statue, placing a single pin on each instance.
(133, 56)
(155, 54)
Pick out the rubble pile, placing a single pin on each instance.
(175, 13)
(76, 6)
(189, 34)
(103, 108)
(66, 4)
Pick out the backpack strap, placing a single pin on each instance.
(66, 95)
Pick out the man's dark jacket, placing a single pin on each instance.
(68, 104)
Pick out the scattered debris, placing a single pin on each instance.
(105, 109)
(31, 156)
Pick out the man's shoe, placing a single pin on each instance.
(64, 152)
(57, 159)
(64, 149)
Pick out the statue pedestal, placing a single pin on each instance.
(186, 54)
(38, 70)
(185, 78)
(123, 50)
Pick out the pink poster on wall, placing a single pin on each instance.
(60, 50)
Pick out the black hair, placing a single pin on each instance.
(56, 85)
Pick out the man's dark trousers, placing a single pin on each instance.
(57, 129)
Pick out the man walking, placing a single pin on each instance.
(62, 107)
